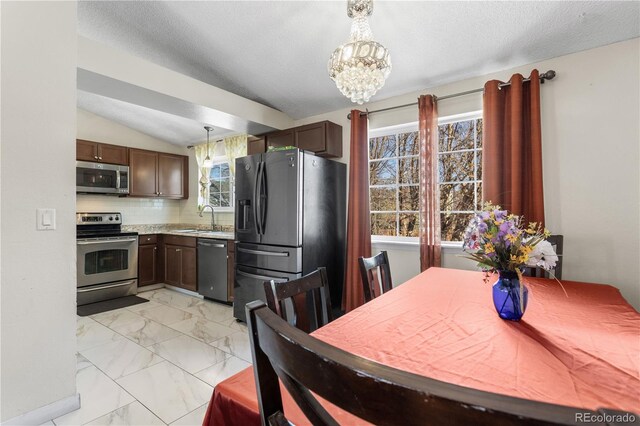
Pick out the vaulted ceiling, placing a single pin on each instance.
(276, 52)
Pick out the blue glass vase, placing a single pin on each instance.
(506, 296)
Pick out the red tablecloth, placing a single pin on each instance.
(582, 350)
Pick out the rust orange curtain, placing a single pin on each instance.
(429, 195)
(358, 217)
(512, 157)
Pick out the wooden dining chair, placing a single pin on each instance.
(368, 267)
(557, 242)
(374, 392)
(307, 299)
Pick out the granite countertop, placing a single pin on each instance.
(187, 230)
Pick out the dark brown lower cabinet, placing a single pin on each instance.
(172, 265)
(189, 276)
(149, 260)
(180, 266)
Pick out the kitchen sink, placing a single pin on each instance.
(186, 231)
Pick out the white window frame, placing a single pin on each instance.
(412, 127)
(386, 131)
(232, 188)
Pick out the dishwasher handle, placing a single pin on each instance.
(210, 245)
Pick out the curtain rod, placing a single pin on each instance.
(549, 75)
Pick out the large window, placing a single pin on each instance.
(459, 174)
(220, 186)
(394, 177)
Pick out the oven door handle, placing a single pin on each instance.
(101, 241)
(80, 290)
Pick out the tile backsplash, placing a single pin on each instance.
(135, 211)
(149, 211)
(189, 214)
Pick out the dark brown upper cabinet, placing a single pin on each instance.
(281, 138)
(256, 145)
(101, 152)
(158, 174)
(323, 138)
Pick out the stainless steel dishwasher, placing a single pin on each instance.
(212, 269)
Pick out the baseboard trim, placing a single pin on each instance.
(48, 412)
(184, 291)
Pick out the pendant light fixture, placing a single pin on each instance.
(207, 161)
(361, 65)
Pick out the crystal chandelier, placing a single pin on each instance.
(360, 66)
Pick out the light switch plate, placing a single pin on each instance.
(45, 219)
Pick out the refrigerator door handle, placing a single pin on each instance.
(264, 252)
(262, 277)
(263, 198)
(256, 197)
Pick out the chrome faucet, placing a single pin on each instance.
(202, 210)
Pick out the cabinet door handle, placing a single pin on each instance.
(95, 157)
(99, 158)
(159, 193)
(178, 250)
(155, 248)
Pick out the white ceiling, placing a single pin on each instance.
(276, 52)
(161, 125)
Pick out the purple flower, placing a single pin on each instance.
(500, 214)
(505, 227)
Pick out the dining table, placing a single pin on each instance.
(577, 345)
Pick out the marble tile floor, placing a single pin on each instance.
(155, 363)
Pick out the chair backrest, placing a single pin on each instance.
(307, 298)
(373, 392)
(368, 267)
(557, 241)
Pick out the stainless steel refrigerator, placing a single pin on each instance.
(290, 219)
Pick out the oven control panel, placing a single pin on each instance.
(98, 219)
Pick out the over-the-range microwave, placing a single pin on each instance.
(100, 178)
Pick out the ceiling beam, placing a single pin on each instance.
(112, 73)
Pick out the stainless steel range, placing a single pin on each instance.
(107, 258)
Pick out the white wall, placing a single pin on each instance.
(38, 291)
(590, 136)
(134, 210)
